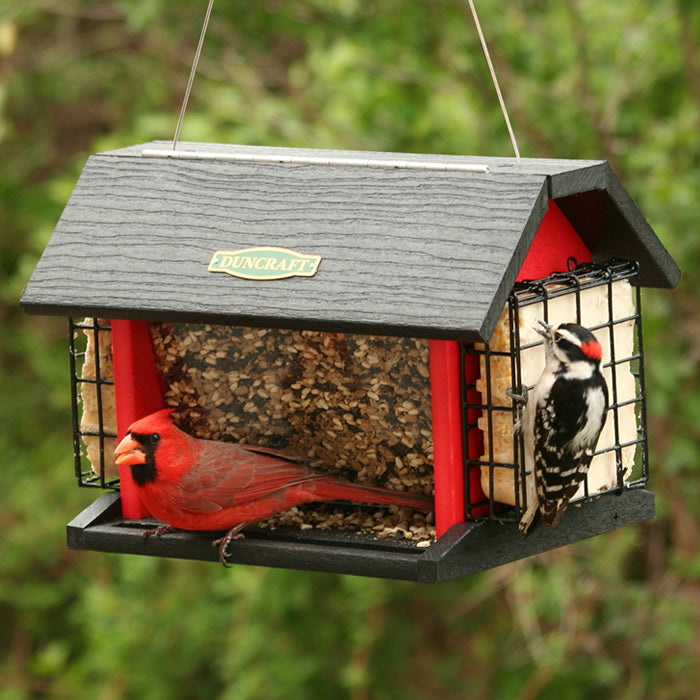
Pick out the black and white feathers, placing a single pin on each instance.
(562, 420)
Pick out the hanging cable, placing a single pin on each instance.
(193, 71)
(484, 47)
(495, 80)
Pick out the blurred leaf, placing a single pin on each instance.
(613, 617)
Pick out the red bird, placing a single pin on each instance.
(194, 484)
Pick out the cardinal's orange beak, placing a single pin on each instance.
(129, 451)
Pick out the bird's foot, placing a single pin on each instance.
(519, 398)
(223, 542)
(526, 521)
(157, 531)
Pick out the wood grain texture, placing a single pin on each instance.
(423, 253)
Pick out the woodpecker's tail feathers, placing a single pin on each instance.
(552, 512)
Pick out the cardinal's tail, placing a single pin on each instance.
(329, 489)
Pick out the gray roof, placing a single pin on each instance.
(428, 246)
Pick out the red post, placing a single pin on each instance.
(475, 437)
(448, 456)
(137, 392)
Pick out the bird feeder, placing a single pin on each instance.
(371, 312)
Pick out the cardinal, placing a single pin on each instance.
(195, 484)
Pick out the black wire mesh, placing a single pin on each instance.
(91, 381)
(493, 452)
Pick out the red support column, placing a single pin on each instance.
(448, 456)
(137, 392)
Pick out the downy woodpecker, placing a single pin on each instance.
(562, 420)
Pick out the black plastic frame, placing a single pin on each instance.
(577, 279)
(466, 548)
(480, 543)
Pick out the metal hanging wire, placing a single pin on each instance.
(482, 39)
(193, 72)
(494, 78)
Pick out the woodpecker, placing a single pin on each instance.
(562, 420)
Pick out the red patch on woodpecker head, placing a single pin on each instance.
(593, 350)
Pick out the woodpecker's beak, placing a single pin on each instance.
(548, 331)
(129, 451)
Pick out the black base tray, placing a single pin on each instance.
(465, 549)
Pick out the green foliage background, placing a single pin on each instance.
(615, 617)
